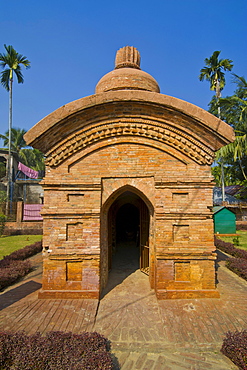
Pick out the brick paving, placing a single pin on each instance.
(145, 334)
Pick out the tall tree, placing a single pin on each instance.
(11, 63)
(213, 72)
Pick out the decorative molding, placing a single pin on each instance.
(74, 257)
(179, 186)
(51, 185)
(185, 216)
(162, 133)
(72, 214)
(186, 256)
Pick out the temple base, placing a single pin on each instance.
(182, 294)
(68, 294)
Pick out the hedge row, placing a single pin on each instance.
(230, 249)
(235, 344)
(235, 347)
(13, 272)
(238, 265)
(54, 351)
(13, 266)
(22, 254)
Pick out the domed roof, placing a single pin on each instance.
(127, 74)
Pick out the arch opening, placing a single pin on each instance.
(128, 233)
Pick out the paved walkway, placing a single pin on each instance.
(145, 334)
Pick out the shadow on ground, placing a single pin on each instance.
(221, 256)
(15, 294)
(125, 262)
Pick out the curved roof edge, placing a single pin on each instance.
(222, 128)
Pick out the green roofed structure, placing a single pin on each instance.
(224, 220)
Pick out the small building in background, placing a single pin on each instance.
(224, 220)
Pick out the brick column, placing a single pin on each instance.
(19, 211)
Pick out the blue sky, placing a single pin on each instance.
(72, 44)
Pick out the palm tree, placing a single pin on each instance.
(11, 62)
(213, 72)
(17, 139)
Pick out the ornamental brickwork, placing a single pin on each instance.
(128, 148)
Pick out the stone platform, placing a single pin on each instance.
(144, 333)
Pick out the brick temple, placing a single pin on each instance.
(129, 164)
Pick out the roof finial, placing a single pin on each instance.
(129, 57)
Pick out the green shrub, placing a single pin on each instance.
(235, 347)
(13, 267)
(238, 266)
(12, 272)
(230, 249)
(55, 350)
(2, 223)
(3, 196)
(236, 241)
(23, 253)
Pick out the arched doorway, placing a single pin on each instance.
(128, 231)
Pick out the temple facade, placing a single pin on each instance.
(128, 164)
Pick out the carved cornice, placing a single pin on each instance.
(163, 133)
(46, 133)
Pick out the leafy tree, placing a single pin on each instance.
(234, 112)
(228, 174)
(234, 108)
(32, 158)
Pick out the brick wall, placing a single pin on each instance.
(156, 151)
(23, 228)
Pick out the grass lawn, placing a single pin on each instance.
(9, 244)
(242, 239)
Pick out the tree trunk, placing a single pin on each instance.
(10, 162)
(222, 182)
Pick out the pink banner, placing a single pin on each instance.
(31, 212)
(28, 171)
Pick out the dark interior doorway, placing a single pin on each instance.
(127, 224)
(128, 239)
(128, 233)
